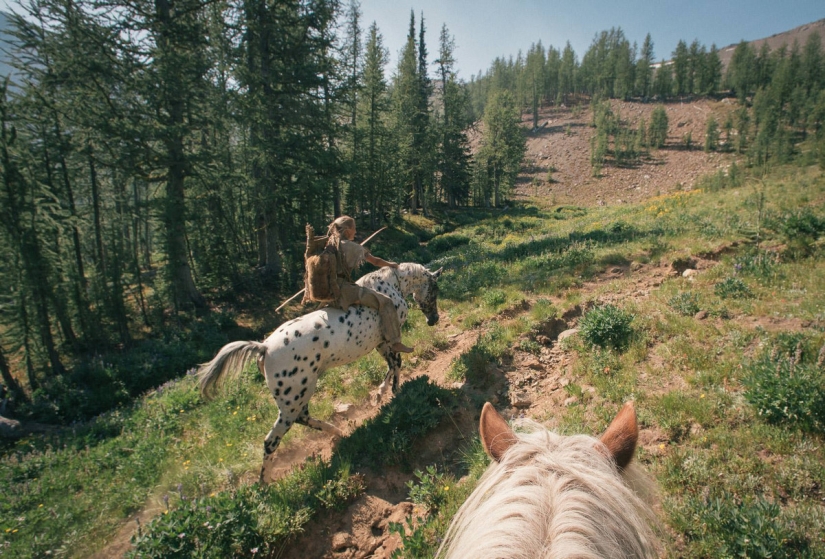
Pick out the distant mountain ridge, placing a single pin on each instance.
(799, 34)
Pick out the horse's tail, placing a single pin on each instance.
(232, 359)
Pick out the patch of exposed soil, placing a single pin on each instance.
(562, 142)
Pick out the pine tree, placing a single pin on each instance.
(567, 73)
(21, 228)
(534, 74)
(454, 154)
(502, 150)
(710, 74)
(424, 137)
(406, 101)
(663, 81)
(813, 65)
(644, 69)
(742, 129)
(711, 134)
(681, 69)
(375, 108)
(741, 74)
(352, 64)
(658, 127)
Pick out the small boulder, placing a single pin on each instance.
(567, 334)
(520, 400)
(342, 541)
(9, 427)
(342, 408)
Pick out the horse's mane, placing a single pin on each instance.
(410, 269)
(553, 497)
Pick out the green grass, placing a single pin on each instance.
(739, 454)
(235, 521)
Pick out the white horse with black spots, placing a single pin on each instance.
(299, 351)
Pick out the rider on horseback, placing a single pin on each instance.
(350, 255)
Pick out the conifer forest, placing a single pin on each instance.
(161, 158)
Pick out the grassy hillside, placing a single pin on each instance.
(725, 366)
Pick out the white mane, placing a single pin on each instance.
(553, 497)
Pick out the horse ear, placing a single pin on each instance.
(437, 272)
(621, 436)
(496, 435)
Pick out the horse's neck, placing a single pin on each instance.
(407, 278)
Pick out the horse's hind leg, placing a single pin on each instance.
(305, 419)
(272, 440)
(393, 368)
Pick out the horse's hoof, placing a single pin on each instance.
(262, 479)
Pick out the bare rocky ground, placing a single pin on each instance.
(562, 141)
(526, 384)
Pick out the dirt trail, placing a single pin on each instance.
(528, 384)
(524, 384)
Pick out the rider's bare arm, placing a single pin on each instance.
(380, 262)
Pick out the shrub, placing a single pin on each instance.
(786, 392)
(732, 288)
(467, 280)
(494, 297)
(247, 520)
(443, 243)
(685, 303)
(530, 346)
(746, 529)
(431, 490)
(761, 265)
(387, 438)
(607, 326)
(472, 364)
(800, 230)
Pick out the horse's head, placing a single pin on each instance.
(425, 293)
(546, 492)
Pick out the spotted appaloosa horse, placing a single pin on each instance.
(299, 351)
(548, 496)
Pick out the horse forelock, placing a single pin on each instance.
(554, 497)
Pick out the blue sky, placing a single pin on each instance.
(485, 29)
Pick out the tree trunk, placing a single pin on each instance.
(184, 291)
(81, 284)
(8, 379)
(100, 255)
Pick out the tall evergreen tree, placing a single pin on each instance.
(681, 69)
(663, 81)
(658, 127)
(406, 92)
(375, 104)
(424, 137)
(567, 73)
(742, 72)
(813, 65)
(454, 154)
(644, 69)
(501, 152)
(353, 70)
